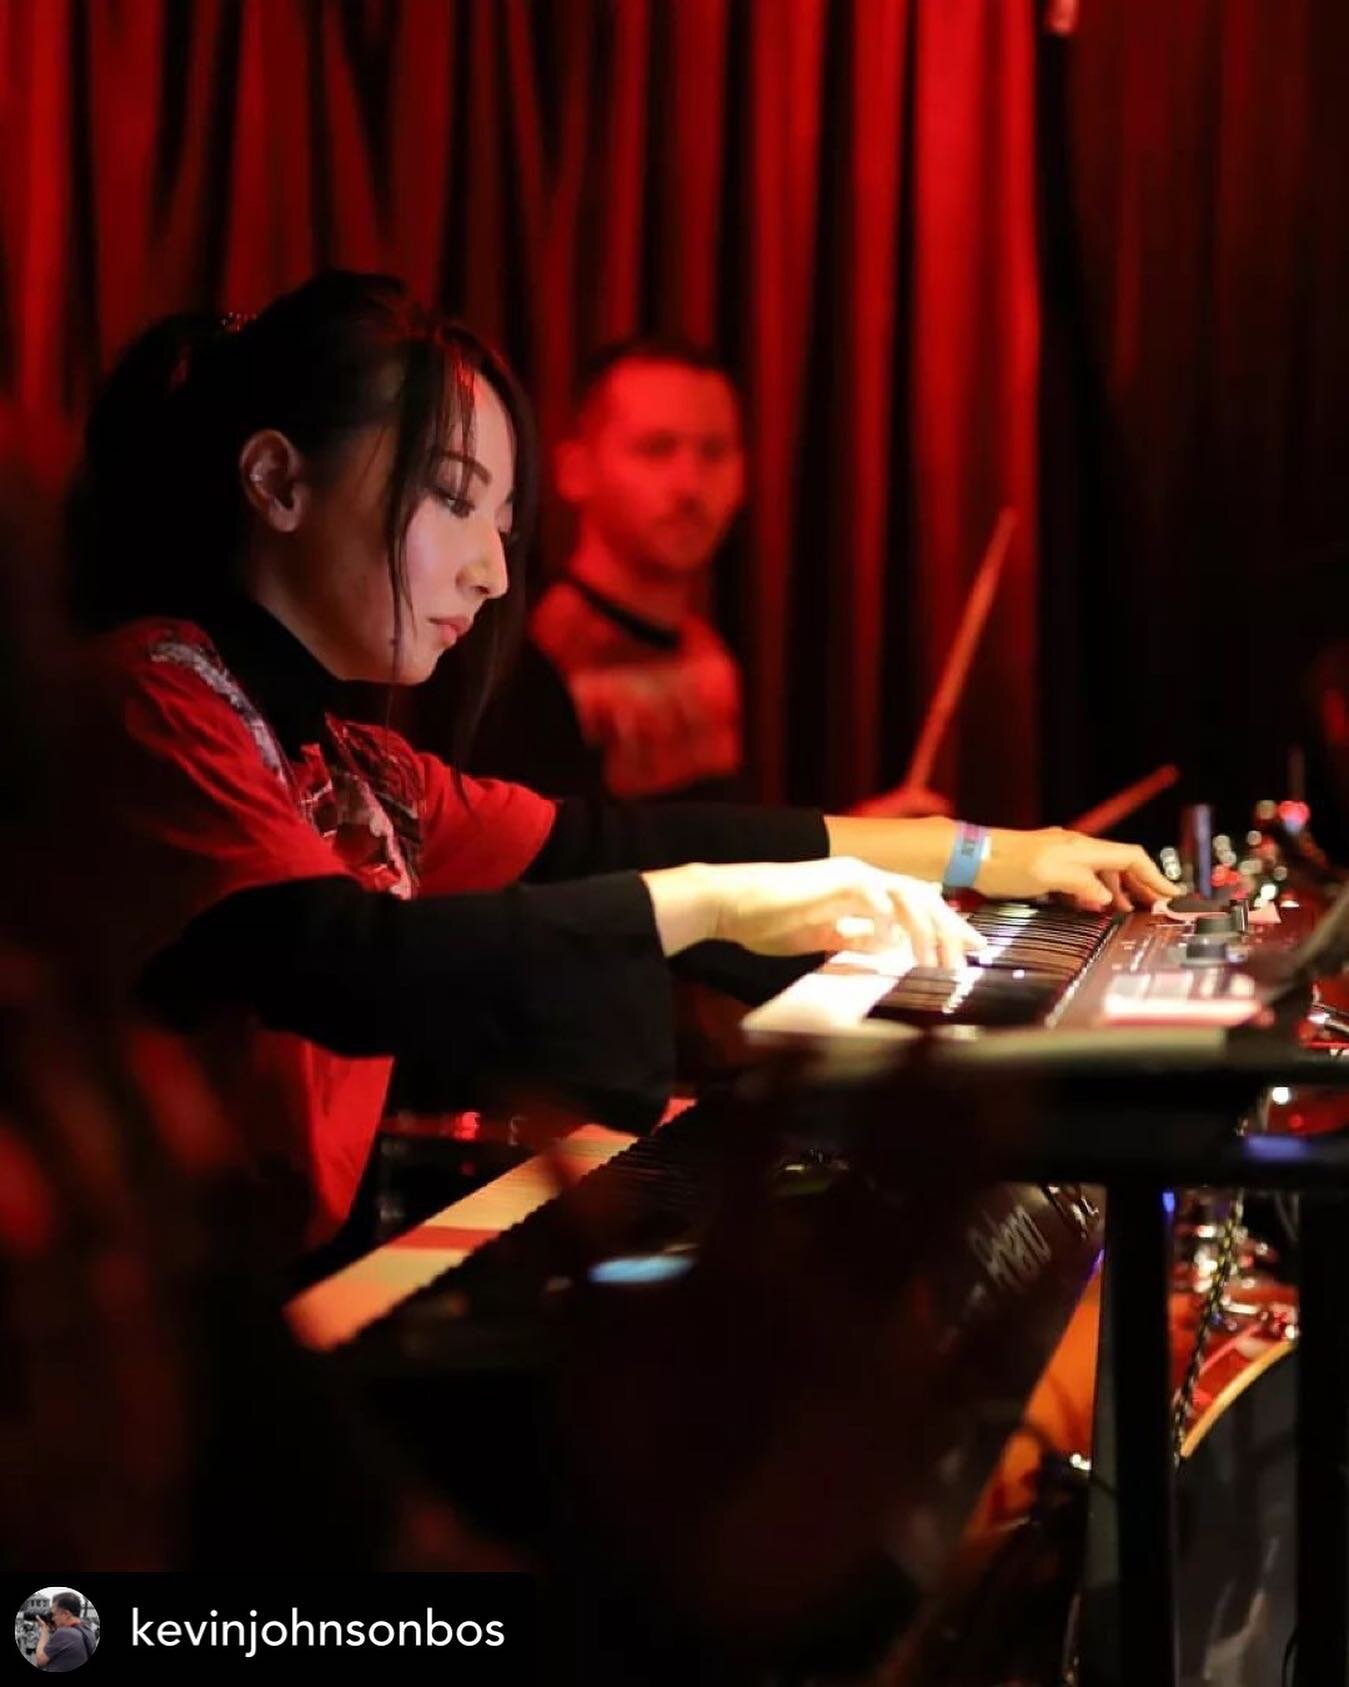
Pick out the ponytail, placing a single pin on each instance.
(152, 517)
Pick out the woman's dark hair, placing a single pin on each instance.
(341, 352)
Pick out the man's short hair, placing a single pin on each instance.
(643, 348)
(69, 1602)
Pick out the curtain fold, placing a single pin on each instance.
(974, 349)
(865, 380)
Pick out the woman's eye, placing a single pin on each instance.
(454, 501)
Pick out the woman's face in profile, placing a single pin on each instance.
(333, 578)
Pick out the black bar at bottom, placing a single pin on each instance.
(1323, 1444)
(1138, 1249)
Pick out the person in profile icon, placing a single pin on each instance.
(65, 1641)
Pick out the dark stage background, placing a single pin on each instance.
(956, 262)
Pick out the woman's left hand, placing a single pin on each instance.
(1094, 872)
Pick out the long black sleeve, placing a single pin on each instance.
(556, 989)
(556, 985)
(610, 837)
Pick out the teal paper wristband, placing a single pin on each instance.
(968, 855)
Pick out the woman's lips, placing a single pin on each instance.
(451, 627)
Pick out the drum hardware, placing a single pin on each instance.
(1212, 1306)
(1223, 1248)
(1253, 1253)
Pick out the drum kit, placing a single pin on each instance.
(1235, 1419)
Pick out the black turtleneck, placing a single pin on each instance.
(289, 685)
(556, 984)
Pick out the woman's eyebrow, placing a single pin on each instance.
(470, 463)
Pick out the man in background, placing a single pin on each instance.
(624, 687)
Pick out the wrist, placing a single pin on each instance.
(706, 903)
(970, 848)
(685, 903)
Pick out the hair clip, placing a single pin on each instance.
(235, 321)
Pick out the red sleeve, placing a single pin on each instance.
(202, 806)
(482, 840)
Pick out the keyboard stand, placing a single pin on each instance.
(1129, 1601)
(1323, 1441)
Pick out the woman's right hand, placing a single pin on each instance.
(801, 907)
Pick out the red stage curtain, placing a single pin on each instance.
(1196, 443)
(838, 193)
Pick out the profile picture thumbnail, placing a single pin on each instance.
(56, 1629)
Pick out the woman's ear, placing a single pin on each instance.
(271, 471)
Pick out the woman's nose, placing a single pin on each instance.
(487, 574)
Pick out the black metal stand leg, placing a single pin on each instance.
(1138, 1248)
(1098, 1629)
(1323, 1445)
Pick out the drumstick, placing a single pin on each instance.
(956, 672)
(1119, 807)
